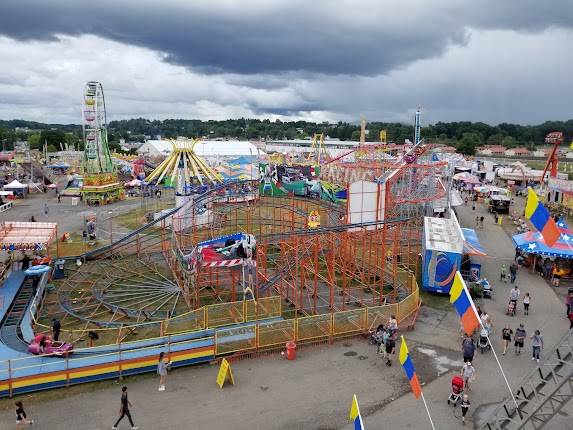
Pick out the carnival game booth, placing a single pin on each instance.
(534, 249)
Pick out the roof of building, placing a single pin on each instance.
(210, 148)
(520, 150)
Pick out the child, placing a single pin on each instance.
(465, 404)
(21, 415)
(162, 368)
(526, 302)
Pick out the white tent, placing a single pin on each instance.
(15, 184)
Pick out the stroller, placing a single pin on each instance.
(376, 336)
(457, 390)
(483, 342)
(511, 308)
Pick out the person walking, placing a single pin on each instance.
(481, 219)
(124, 410)
(526, 303)
(56, 327)
(536, 345)
(46, 209)
(503, 274)
(393, 325)
(514, 295)
(512, 272)
(21, 417)
(506, 335)
(468, 374)
(25, 262)
(465, 404)
(570, 316)
(390, 346)
(162, 368)
(520, 335)
(468, 348)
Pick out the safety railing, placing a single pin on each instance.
(263, 334)
(6, 206)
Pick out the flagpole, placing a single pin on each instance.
(427, 410)
(491, 345)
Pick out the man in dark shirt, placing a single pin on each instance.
(468, 348)
(56, 326)
(124, 410)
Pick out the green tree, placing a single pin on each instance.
(468, 143)
(355, 135)
(34, 140)
(509, 142)
(51, 137)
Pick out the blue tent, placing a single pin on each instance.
(532, 243)
(472, 246)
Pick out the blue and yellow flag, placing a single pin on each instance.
(541, 219)
(462, 301)
(355, 415)
(408, 366)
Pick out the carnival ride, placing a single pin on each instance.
(100, 182)
(229, 255)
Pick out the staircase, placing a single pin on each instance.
(541, 395)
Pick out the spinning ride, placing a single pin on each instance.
(101, 185)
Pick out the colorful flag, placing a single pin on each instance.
(408, 366)
(460, 297)
(562, 224)
(355, 415)
(541, 218)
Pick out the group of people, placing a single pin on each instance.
(385, 338)
(519, 340)
(503, 277)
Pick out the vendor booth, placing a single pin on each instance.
(447, 248)
(442, 253)
(17, 188)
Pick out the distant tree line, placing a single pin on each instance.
(465, 136)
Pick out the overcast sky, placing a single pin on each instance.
(477, 60)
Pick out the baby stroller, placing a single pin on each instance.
(483, 342)
(457, 390)
(376, 336)
(511, 308)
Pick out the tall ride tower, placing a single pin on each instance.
(417, 126)
(101, 185)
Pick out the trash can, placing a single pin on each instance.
(58, 272)
(290, 350)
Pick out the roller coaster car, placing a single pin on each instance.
(244, 247)
(51, 347)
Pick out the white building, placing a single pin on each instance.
(334, 147)
(205, 148)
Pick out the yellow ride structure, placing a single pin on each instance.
(183, 165)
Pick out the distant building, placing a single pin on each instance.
(205, 148)
(495, 150)
(334, 147)
(518, 152)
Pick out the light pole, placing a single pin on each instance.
(110, 213)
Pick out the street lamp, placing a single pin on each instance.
(110, 213)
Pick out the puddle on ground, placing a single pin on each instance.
(350, 353)
(443, 363)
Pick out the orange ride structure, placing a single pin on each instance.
(228, 244)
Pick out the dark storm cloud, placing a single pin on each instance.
(252, 37)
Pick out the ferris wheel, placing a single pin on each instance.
(97, 158)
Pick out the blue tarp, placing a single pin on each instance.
(472, 246)
(532, 243)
